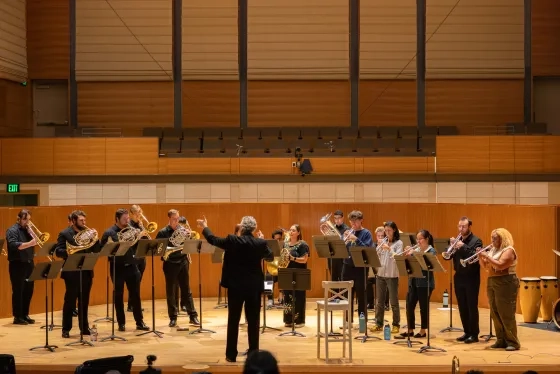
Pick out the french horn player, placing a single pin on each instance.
(176, 268)
(125, 269)
(76, 238)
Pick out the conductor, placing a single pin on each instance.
(242, 275)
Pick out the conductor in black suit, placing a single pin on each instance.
(243, 276)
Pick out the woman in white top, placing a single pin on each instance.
(388, 278)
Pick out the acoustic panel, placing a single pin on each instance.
(13, 40)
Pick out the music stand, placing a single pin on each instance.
(432, 265)
(410, 267)
(298, 280)
(107, 318)
(275, 248)
(217, 259)
(441, 246)
(46, 251)
(192, 247)
(112, 250)
(80, 262)
(155, 247)
(45, 271)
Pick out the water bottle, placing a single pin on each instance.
(445, 299)
(387, 332)
(362, 323)
(93, 333)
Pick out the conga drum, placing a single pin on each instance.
(530, 298)
(549, 294)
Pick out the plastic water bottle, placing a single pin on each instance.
(445, 299)
(387, 332)
(93, 333)
(362, 323)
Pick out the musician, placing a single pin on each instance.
(72, 278)
(126, 272)
(335, 264)
(135, 214)
(419, 289)
(299, 254)
(277, 235)
(75, 311)
(242, 276)
(502, 288)
(176, 270)
(380, 235)
(360, 237)
(388, 278)
(466, 280)
(21, 245)
(182, 303)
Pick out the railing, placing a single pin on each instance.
(91, 132)
(494, 130)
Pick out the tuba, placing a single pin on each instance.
(327, 227)
(85, 239)
(282, 261)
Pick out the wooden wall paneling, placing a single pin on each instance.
(90, 156)
(211, 103)
(501, 154)
(123, 40)
(298, 103)
(13, 45)
(388, 39)
(469, 104)
(125, 104)
(475, 39)
(420, 165)
(210, 39)
(48, 39)
(267, 166)
(528, 154)
(551, 154)
(328, 165)
(290, 39)
(387, 103)
(190, 166)
(15, 109)
(131, 156)
(38, 159)
(451, 152)
(545, 52)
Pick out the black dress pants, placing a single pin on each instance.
(355, 274)
(22, 291)
(72, 282)
(466, 291)
(178, 273)
(141, 263)
(414, 296)
(129, 275)
(251, 298)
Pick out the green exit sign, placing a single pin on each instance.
(12, 187)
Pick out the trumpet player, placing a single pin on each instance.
(126, 272)
(136, 215)
(176, 270)
(21, 245)
(72, 278)
(502, 288)
(466, 279)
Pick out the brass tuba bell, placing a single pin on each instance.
(327, 227)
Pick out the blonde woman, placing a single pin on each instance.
(501, 262)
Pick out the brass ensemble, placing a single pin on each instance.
(85, 239)
(451, 249)
(474, 258)
(283, 260)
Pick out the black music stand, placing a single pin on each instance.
(365, 257)
(330, 247)
(80, 262)
(192, 247)
(45, 271)
(217, 259)
(297, 280)
(441, 246)
(430, 263)
(47, 251)
(410, 267)
(490, 335)
(154, 247)
(106, 318)
(112, 250)
(275, 248)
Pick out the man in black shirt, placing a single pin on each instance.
(176, 270)
(335, 264)
(126, 271)
(242, 275)
(72, 278)
(467, 280)
(136, 214)
(20, 256)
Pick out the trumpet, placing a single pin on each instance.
(474, 258)
(451, 249)
(40, 237)
(346, 236)
(409, 250)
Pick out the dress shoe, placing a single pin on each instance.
(228, 359)
(75, 313)
(29, 320)
(462, 338)
(194, 321)
(142, 326)
(20, 321)
(471, 339)
(65, 334)
(418, 335)
(129, 309)
(122, 328)
(173, 323)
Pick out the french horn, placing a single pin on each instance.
(85, 239)
(283, 260)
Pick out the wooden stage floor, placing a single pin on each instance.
(180, 352)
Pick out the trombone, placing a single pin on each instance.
(150, 226)
(451, 249)
(40, 237)
(474, 258)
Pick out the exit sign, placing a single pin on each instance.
(12, 187)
